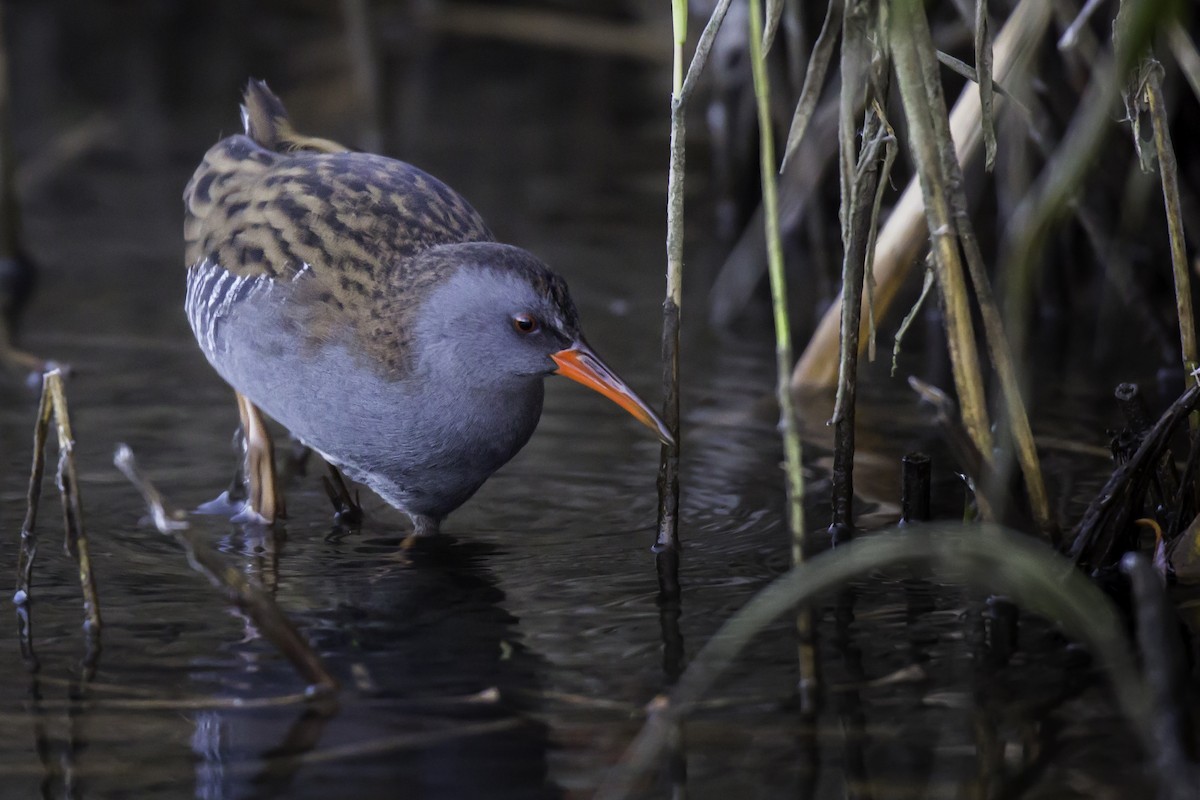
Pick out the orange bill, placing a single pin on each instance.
(579, 363)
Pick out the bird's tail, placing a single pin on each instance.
(266, 122)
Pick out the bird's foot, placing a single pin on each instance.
(237, 509)
(346, 509)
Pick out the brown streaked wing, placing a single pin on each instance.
(355, 220)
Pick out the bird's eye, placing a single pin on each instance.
(525, 323)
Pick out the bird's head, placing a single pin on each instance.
(499, 317)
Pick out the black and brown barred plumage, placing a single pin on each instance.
(274, 204)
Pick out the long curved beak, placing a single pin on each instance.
(580, 363)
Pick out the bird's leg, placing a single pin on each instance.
(265, 498)
(346, 509)
(423, 527)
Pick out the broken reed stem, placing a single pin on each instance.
(993, 321)
(783, 341)
(238, 590)
(68, 485)
(53, 405)
(909, 33)
(814, 78)
(859, 179)
(682, 88)
(668, 473)
(1168, 170)
(32, 498)
(983, 69)
(904, 234)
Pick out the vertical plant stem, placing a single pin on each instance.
(32, 498)
(783, 339)
(666, 546)
(908, 27)
(668, 474)
(1169, 172)
(53, 405)
(983, 69)
(68, 484)
(860, 172)
(1009, 383)
(682, 88)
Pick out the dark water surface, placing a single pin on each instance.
(512, 658)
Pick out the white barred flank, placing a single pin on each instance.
(212, 292)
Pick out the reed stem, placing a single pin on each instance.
(668, 474)
(909, 32)
(1169, 172)
(783, 337)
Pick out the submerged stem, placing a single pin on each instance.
(987, 558)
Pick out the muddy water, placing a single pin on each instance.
(513, 657)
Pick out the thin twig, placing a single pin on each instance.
(814, 78)
(700, 57)
(72, 506)
(1070, 36)
(890, 149)
(967, 71)
(911, 316)
(33, 496)
(983, 66)
(238, 590)
(774, 14)
(53, 405)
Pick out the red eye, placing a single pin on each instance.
(525, 323)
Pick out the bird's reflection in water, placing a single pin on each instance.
(430, 669)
